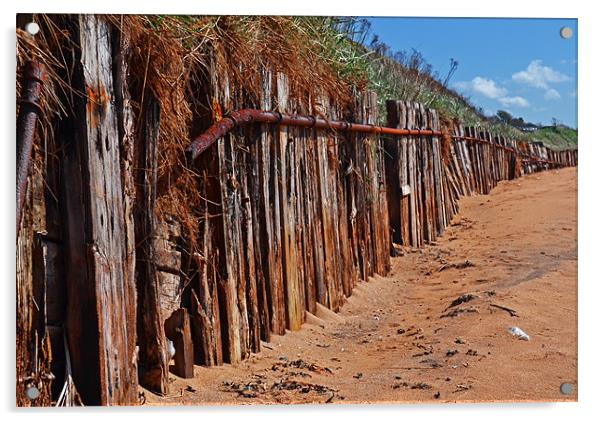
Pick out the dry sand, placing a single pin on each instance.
(390, 342)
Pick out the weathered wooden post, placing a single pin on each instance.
(177, 329)
(379, 213)
(269, 214)
(153, 353)
(295, 309)
(400, 176)
(101, 336)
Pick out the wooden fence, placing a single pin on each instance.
(294, 218)
(290, 219)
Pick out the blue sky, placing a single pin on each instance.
(519, 65)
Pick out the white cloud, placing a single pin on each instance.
(488, 88)
(513, 101)
(539, 76)
(482, 86)
(551, 94)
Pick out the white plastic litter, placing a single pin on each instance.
(519, 333)
(171, 350)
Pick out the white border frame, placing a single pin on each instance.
(590, 291)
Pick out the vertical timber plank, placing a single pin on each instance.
(177, 329)
(127, 140)
(249, 255)
(328, 298)
(295, 310)
(153, 357)
(231, 323)
(99, 277)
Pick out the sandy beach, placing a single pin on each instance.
(435, 329)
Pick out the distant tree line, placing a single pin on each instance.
(505, 117)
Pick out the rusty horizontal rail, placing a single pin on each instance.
(247, 116)
(540, 161)
(476, 139)
(33, 82)
(526, 158)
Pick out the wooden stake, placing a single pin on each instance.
(177, 329)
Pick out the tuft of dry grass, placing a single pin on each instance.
(170, 56)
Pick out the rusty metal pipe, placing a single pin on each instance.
(32, 85)
(247, 116)
(541, 161)
(476, 139)
(526, 158)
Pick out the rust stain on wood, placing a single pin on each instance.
(98, 101)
